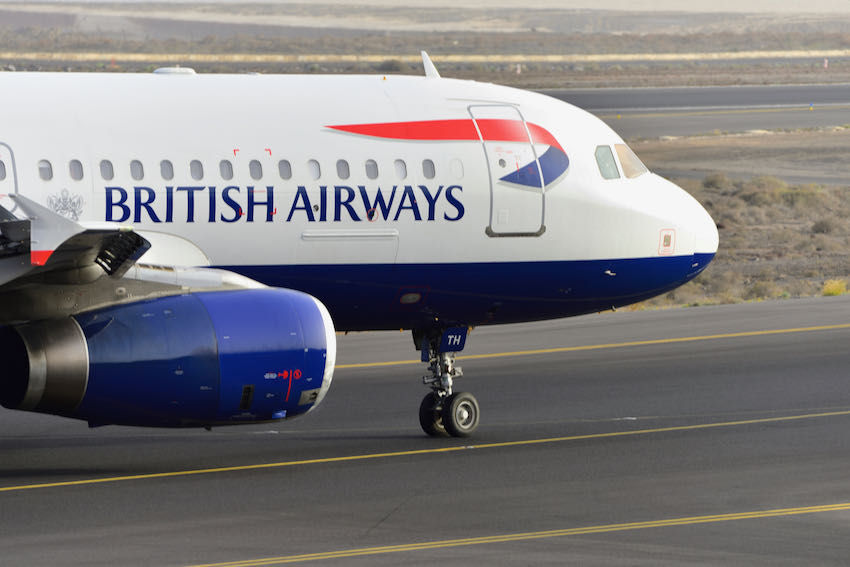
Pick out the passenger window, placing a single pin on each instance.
(284, 168)
(342, 169)
(106, 170)
(2, 170)
(196, 169)
(314, 168)
(166, 169)
(371, 169)
(400, 169)
(75, 168)
(632, 166)
(457, 168)
(606, 163)
(226, 169)
(137, 171)
(45, 170)
(428, 169)
(255, 168)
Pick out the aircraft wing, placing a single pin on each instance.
(160, 343)
(35, 241)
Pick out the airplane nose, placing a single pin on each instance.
(705, 230)
(696, 221)
(706, 239)
(696, 230)
(688, 213)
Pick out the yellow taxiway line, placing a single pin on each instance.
(452, 449)
(525, 536)
(613, 345)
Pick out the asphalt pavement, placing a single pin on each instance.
(711, 435)
(690, 111)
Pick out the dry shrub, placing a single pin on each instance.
(718, 282)
(761, 290)
(717, 181)
(783, 236)
(804, 196)
(826, 244)
(757, 215)
(802, 288)
(823, 226)
(762, 191)
(834, 287)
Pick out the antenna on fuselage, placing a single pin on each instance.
(430, 71)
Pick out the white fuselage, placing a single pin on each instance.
(247, 171)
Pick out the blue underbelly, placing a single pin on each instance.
(396, 296)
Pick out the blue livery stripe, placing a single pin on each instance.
(553, 163)
(394, 296)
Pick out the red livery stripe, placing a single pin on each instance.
(424, 130)
(39, 257)
(492, 130)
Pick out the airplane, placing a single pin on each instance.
(180, 249)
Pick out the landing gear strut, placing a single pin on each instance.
(442, 411)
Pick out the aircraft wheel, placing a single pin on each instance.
(460, 414)
(430, 416)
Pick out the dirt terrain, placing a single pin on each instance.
(392, 30)
(779, 235)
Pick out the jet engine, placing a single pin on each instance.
(199, 359)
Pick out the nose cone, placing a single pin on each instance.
(678, 208)
(697, 224)
(705, 230)
(706, 240)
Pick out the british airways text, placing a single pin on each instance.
(266, 204)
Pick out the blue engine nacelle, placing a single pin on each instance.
(199, 359)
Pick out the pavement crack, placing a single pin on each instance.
(389, 514)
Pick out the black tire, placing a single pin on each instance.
(461, 414)
(430, 417)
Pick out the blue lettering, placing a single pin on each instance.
(408, 196)
(323, 203)
(212, 205)
(378, 204)
(121, 203)
(455, 203)
(339, 203)
(301, 196)
(234, 206)
(346, 203)
(144, 204)
(190, 201)
(432, 201)
(169, 204)
(269, 203)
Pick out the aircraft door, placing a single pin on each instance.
(516, 184)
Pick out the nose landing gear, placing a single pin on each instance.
(442, 411)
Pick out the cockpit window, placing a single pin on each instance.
(606, 163)
(632, 166)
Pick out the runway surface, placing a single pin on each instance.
(689, 111)
(712, 435)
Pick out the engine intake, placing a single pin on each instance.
(35, 351)
(191, 360)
